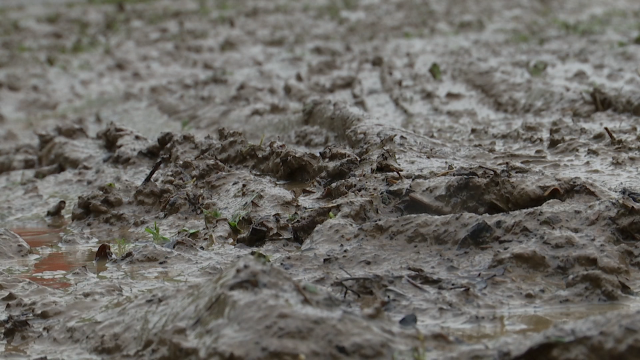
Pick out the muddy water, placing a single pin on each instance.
(52, 264)
(331, 179)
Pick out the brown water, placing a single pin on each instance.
(53, 262)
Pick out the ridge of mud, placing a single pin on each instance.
(280, 325)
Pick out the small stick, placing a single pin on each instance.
(347, 289)
(343, 269)
(613, 138)
(445, 173)
(598, 104)
(355, 278)
(301, 291)
(494, 171)
(415, 284)
(155, 168)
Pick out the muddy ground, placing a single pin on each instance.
(320, 179)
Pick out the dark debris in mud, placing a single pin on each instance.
(603, 101)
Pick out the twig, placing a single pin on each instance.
(494, 171)
(301, 291)
(613, 138)
(342, 268)
(155, 168)
(347, 289)
(415, 284)
(356, 278)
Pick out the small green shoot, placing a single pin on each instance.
(520, 38)
(261, 140)
(24, 48)
(537, 68)
(212, 213)
(419, 353)
(190, 231)
(332, 215)
(261, 257)
(203, 9)
(111, 185)
(155, 232)
(434, 70)
(235, 219)
(52, 18)
(184, 125)
(122, 246)
(209, 215)
(310, 288)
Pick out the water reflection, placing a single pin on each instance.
(529, 320)
(55, 262)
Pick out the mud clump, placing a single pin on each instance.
(602, 337)
(66, 147)
(479, 234)
(152, 253)
(12, 246)
(275, 159)
(279, 325)
(124, 144)
(99, 204)
(491, 195)
(151, 194)
(603, 101)
(302, 228)
(333, 116)
(597, 285)
(18, 158)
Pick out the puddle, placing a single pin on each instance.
(530, 320)
(54, 262)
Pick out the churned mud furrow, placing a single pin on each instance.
(308, 180)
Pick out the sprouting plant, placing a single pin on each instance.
(208, 214)
(332, 215)
(419, 354)
(203, 9)
(190, 231)
(261, 140)
(235, 219)
(243, 211)
(121, 247)
(155, 232)
(263, 258)
(435, 71)
(212, 213)
(293, 217)
(184, 125)
(537, 68)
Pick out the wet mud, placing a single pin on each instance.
(311, 180)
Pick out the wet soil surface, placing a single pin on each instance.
(319, 179)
